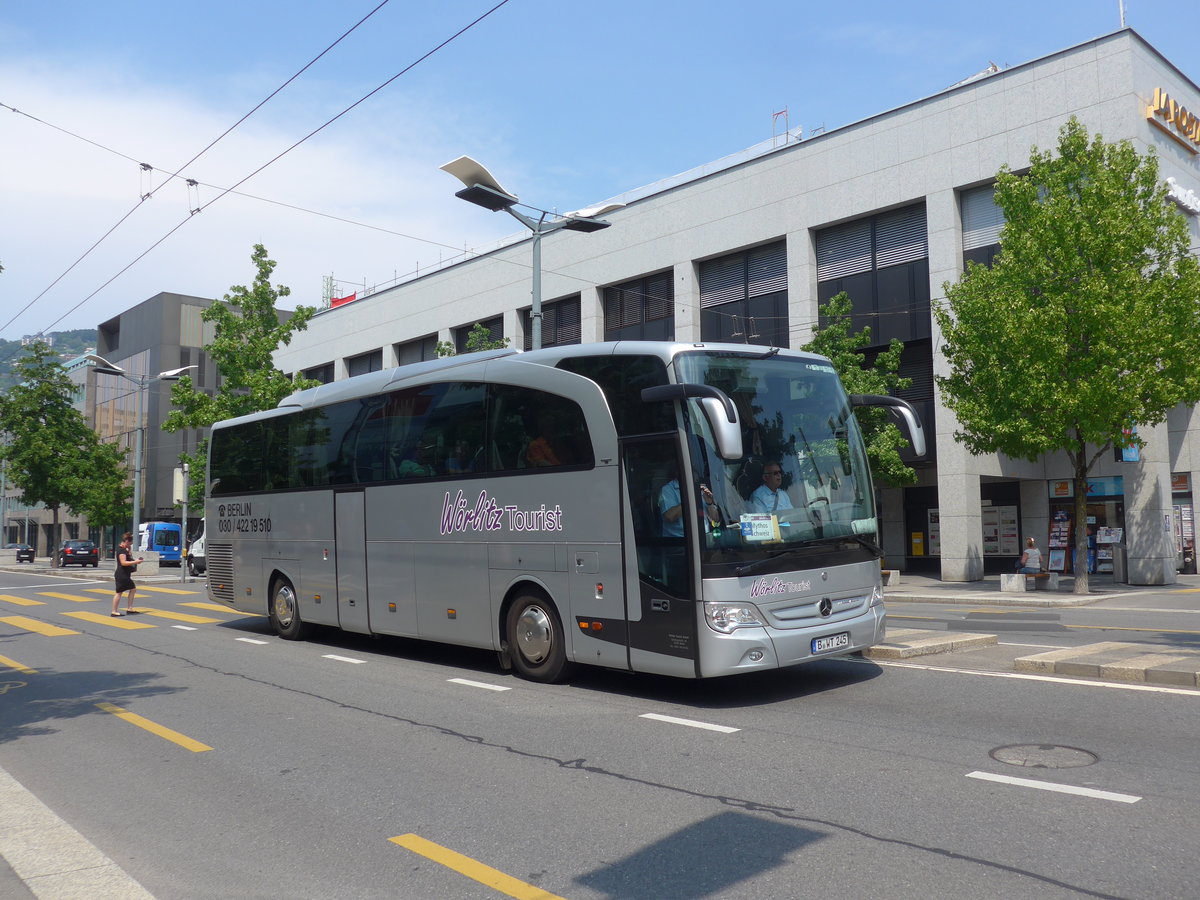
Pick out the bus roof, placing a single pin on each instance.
(388, 379)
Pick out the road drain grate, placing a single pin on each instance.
(1044, 756)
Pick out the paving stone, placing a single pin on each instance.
(1185, 673)
(905, 643)
(1050, 661)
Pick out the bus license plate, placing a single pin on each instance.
(832, 642)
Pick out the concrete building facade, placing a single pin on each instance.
(162, 333)
(888, 209)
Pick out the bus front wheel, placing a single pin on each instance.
(285, 612)
(537, 644)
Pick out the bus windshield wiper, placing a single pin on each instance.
(751, 567)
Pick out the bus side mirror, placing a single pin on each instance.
(904, 409)
(718, 409)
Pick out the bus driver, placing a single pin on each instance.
(770, 497)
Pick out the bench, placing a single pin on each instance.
(1019, 582)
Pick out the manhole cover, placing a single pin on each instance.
(1043, 756)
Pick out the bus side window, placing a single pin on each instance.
(622, 385)
(532, 429)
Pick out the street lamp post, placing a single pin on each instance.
(484, 190)
(104, 367)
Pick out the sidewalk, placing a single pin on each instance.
(103, 572)
(928, 589)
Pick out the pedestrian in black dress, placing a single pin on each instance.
(126, 566)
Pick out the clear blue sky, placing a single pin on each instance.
(568, 102)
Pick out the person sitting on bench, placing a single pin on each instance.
(1031, 559)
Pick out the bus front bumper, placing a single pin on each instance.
(765, 647)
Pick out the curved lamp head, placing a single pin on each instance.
(482, 188)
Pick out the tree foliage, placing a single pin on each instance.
(247, 333)
(478, 339)
(51, 455)
(105, 498)
(844, 348)
(1088, 321)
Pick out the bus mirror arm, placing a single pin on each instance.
(669, 392)
(904, 409)
(718, 409)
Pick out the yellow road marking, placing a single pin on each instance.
(216, 608)
(21, 601)
(154, 728)
(74, 597)
(178, 617)
(108, 592)
(163, 590)
(477, 871)
(39, 627)
(13, 664)
(106, 619)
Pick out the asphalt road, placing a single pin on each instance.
(204, 758)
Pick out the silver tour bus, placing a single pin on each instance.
(693, 510)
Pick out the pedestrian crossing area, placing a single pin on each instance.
(161, 606)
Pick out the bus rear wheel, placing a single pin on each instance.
(285, 612)
(537, 644)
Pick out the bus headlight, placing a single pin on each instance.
(876, 596)
(727, 617)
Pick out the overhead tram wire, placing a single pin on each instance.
(142, 199)
(278, 157)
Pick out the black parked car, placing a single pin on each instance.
(83, 553)
(24, 552)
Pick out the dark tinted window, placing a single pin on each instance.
(531, 429)
(622, 379)
(432, 431)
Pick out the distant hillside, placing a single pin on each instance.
(68, 345)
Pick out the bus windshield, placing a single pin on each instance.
(803, 476)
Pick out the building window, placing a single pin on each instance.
(743, 297)
(916, 364)
(560, 323)
(367, 362)
(495, 330)
(323, 374)
(982, 220)
(417, 351)
(641, 310)
(882, 262)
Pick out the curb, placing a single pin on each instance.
(1037, 600)
(50, 857)
(905, 643)
(1118, 661)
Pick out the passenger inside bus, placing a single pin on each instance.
(543, 450)
(462, 459)
(417, 463)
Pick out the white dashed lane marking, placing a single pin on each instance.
(690, 723)
(479, 684)
(1057, 788)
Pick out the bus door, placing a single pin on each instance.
(662, 614)
(350, 534)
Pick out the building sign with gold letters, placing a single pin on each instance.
(1175, 121)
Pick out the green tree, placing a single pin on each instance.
(844, 348)
(247, 332)
(52, 456)
(478, 339)
(106, 494)
(1087, 323)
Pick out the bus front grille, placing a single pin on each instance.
(220, 572)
